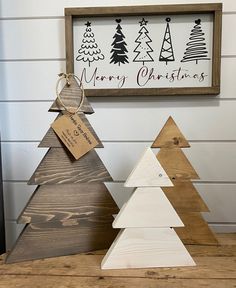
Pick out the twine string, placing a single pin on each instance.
(59, 99)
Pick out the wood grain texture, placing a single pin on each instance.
(170, 136)
(196, 230)
(146, 247)
(147, 207)
(176, 164)
(71, 97)
(69, 201)
(184, 197)
(148, 172)
(52, 140)
(50, 239)
(12, 281)
(59, 167)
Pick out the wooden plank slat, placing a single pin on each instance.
(147, 207)
(176, 164)
(83, 265)
(146, 247)
(50, 239)
(184, 197)
(69, 201)
(71, 97)
(13, 281)
(58, 167)
(170, 136)
(52, 140)
(148, 172)
(196, 230)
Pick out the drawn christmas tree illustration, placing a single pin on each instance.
(183, 195)
(71, 210)
(196, 47)
(167, 53)
(89, 50)
(119, 49)
(143, 48)
(146, 238)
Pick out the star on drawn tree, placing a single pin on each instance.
(89, 50)
(119, 49)
(143, 48)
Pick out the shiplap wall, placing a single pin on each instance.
(32, 53)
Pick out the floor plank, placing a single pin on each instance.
(107, 282)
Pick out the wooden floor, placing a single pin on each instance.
(216, 268)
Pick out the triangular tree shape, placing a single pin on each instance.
(148, 172)
(147, 239)
(50, 239)
(195, 230)
(146, 247)
(183, 195)
(71, 97)
(75, 212)
(69, 201)
(176, 164)
(147, 207)
(52, 140)
(89, 168)
(170, 136)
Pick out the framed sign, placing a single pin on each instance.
(145, 50)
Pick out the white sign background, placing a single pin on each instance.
(103, 74)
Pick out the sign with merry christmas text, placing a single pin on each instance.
(164, 50)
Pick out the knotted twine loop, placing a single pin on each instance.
(67, 78)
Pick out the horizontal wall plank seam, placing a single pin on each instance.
(127, 141)
(62, 17)
(195, 182)
(187, 98)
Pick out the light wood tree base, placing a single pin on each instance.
(216, 268)
(146, 247)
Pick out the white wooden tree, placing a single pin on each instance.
(146, 238)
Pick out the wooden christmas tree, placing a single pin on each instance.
(183, 195)
(71, 209)
(146, 239)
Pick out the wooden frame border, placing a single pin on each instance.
(214, 8)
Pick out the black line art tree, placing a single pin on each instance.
(143, 48)
(89, 50)
(119, 49)
(196, 47)
(167, 52)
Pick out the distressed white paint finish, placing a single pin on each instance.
(25, 82)
(147, 207)
(46, 8)
(120, 158)
(148, 172)
(127, 120)
(146, 247)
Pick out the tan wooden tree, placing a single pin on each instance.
(71, 209)
(183, 195)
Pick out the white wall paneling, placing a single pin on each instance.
(45, 8)
(42, 74)
(51, 44)
(32, 53)
(139, 120)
